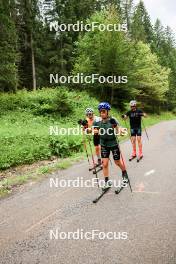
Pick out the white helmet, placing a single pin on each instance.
(133, 103)
(89, 111)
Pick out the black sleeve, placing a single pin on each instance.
(114, 121)
(128, 113)
(140, 112)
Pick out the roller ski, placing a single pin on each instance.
(139, 158)
(97, 166)
(98, 170)
(132, 158)
(119, 189)
(125, 182)
(105, 189)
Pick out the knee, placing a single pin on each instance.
(118, 162)
(133, 141)
(139, 140)
(105, 165)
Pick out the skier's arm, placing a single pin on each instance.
(95, 128)
(117, 127)
(143, 114)
(125, 116)
(84, 125)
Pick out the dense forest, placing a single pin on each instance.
(30, 51)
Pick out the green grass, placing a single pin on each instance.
(154, 119)
(44, 170)
(25, 119)
(8, 184)
(24, 131)
(64, 165)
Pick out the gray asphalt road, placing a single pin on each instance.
(148, 215)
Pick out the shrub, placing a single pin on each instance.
(64, 147)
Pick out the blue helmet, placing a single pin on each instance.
(104, 105)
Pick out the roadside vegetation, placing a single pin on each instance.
(25, 119)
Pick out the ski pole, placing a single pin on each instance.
(145, 129)
(93, 162)
(125, 166)
(127, 130)
(85, 147)
(123, 161)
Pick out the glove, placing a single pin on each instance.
(80, 122)
(83, 123)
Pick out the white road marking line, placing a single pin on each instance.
(43, 219)
(149, 172)
(40, 222)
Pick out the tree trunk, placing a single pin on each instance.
(33, 65)
(112, 95)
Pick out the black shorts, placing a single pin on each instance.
(105, 152)
(96, 140)
(136, 132)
